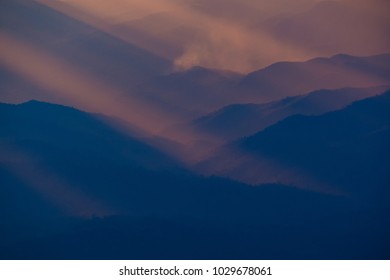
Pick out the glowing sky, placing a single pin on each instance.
(240, 35)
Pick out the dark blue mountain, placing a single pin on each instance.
(68, 147)
(33, 125)
(348, 148)
(84, 152)
(345, 150)
(60, 166)
(357, 235)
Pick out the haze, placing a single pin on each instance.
(238, 35)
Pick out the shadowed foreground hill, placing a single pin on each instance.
(59, 167)
(62, 144)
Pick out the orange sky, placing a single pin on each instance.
(234, 34)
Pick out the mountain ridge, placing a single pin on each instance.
(239, 120)
(285, 79)
(345, 149)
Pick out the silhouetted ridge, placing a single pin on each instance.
(239, 120)
(346, 148)
(284, 79)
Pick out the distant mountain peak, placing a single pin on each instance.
(38, 104)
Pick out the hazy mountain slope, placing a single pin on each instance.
(199, 91)
(192, 92)
(345, 150)
(16, 89)
(137, 72)
(105, 58)
(285, 79)
(125, 66)
(239, 120)
(67, 128)
(99, 54)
